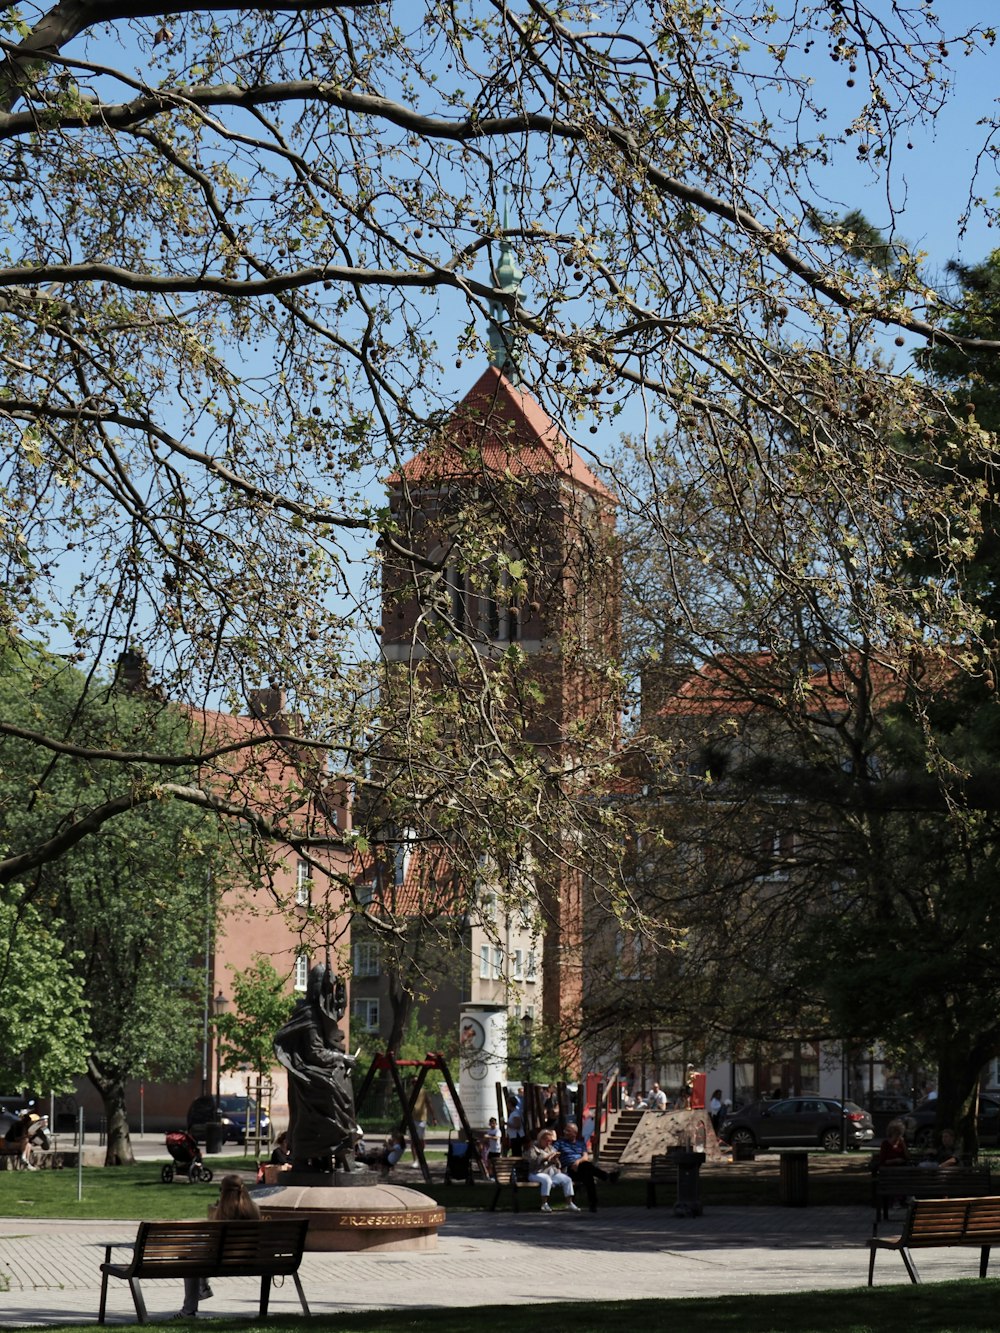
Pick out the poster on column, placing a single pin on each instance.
(482, 1047)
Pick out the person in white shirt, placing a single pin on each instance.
(657, 1099)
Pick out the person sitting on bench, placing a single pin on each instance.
(577, 1162)
(543, 1170)
(234, 1201)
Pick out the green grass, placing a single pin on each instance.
(111, 1192)
(137, 1192)
(944, 1307)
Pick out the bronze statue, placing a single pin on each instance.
(323, 1128)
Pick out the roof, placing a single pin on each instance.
(432, 884)
(738, 684)
(499, 428)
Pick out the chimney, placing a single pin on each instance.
(268, 706)
(132, 672)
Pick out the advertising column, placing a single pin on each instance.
(482, 1046)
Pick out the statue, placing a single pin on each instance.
(323, 1129)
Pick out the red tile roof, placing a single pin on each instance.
(433, 885)
(735, 684)
(499, 428)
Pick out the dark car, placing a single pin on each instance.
(809, 1121)
(235, 1114)
(918, 1126)
(886, 1107)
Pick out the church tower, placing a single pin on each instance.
(513, 538)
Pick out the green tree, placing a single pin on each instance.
(261, 1004)
(130, 906)
(41, 998)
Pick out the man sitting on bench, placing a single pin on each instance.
(579, 1165)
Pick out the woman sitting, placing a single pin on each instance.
(544, 1169)
(234, 1202)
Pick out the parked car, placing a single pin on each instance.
(886, 1107)
(798, 1122)
(918, 1126)
(236, 1114)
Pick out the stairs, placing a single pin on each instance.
(617, 1141)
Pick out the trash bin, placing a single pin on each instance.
(793, 1179)
(688, 1199)
(215, 1136)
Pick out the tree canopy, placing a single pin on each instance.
(115, 929)
(246, 249)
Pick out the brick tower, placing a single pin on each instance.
(513, 538)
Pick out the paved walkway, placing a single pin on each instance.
(482, 1258)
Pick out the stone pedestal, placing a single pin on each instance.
(348, 1213)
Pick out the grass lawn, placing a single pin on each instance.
(944, 1307)
(137, 1191)
(111, 1192)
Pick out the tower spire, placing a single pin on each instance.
(503, 338)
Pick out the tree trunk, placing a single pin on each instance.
(112, 1089)
(959, 1068)
(401, 1004)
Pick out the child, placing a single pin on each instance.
(492, 1137)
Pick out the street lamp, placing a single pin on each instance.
(527, 1023)
(220, 1004)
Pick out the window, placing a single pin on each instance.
(366, 892)
(365, 1014)
(531, 972)
(497, 964)
(366, 959)
(777, 848)
(484, 960)
(303, 884)
(301, 971)
(404, 850)
(518, 964)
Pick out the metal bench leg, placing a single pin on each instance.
(911, 1267)
(140, 1304)
(984, 1260)
(265, 1295)
(517, 1205)
(871, 1265)
(104, 1298)
(302, 1295)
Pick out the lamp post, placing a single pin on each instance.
(220, 1004)
(527, 1023)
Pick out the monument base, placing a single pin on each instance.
(353, 1216)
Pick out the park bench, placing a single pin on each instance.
(242, 1248)
(506, 1176)
(939, 1222)
(926, 1182)
(662, 1171)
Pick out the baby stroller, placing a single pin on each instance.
(183, 1148)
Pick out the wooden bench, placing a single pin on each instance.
(505, 1176)
(242, 1248)
(662, 1171)
(927, 1182)
(939, 1222)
